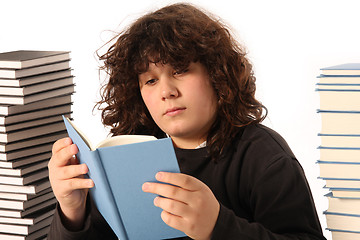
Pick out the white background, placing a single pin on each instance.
(288, 42)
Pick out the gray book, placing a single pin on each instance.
(30, 58)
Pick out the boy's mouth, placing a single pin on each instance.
(174, 111)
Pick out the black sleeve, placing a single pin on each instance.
(281, 203)
(95, 226)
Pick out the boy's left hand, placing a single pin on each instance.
(188, 204)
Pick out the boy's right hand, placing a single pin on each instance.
(68, 184)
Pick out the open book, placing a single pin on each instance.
(119, 166)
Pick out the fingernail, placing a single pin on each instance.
(84, 168)
(156, 201)
(74, 148)
(145, 187)
(90, 183)
(68, 140)
(159, 176)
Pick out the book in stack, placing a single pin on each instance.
(35, 91)
(339, 91)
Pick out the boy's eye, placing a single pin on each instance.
(180, 71)
(150, 82)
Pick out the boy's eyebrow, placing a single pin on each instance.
(150, 68)
(148, 71)
(145, 74)
(142, 74)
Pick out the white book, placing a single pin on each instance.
(33, 188)
(27, 212)
(340, 140)
(22, 205)
(36, 88)
(342, 183)
(344, 235)
(339, 100)
(340, 170)
(29, 58)
(32, 167)
(36, 114)
(351, 69)
(339, 79)
(25, 161)
(26, 152)
(24, 180)
(20, 100)
(30, 219)
(343, 205)
(36, 235)
(31, 132)
(343, 222)
(345, 192)
(31, 123)
(25, 72)
(24, 229)
(348, 87)
(23, 196)
(6, 110)
(31, 142)
(336, 122)
(339, 154)
(22, 82)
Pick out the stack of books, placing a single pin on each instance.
(339, 91)
(35, 91)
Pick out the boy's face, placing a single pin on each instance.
(182, 104)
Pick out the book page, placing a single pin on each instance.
(124, 139)
(81, 134)
(112, 141)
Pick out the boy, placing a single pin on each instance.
(178, 72)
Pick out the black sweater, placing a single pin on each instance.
(261, 187)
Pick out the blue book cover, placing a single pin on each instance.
(343, 222)
(345, 66)
(347, 69)
(118, 173)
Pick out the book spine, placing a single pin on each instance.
(103, 196)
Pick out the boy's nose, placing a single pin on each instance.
(168, 90)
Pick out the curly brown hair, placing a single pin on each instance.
(178, 35)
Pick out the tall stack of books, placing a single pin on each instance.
(35, 91)
(339, 90)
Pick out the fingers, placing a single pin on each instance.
(63, 164)
(172, 206)
(179, 187)
(168, 191)
(174, 212)
(72, 171)
(188, 204)
(61, 143)
(63, 152)
(77, 183)
(66, 179)
(172, 220)
(179, 179)
(65, 173)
